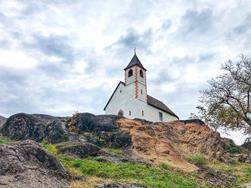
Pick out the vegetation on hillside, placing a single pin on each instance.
(197, 159)
(3, 140)
(163, 176)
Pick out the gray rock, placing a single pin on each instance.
(104, 130)
(2, 121)
(36, 127)
(26, 164)
(81, 150)
(56, 132)
(87, 122)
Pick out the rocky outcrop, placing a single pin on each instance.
(80, 150)
(172, 142)
(247, 144)
(2, 121)
(101, 130)
(36, 127)
(216, 178)
(25, 164)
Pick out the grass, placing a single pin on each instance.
(4, 140)
(136, 173)
(197, 159)
(241, 171)
(162, 177)
(116, 151)
(96, 172)
(51, 148)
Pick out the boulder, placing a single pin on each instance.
(87, 122)
(80, 150)
(2, 121)
(103, 130)
(56, 132)
(26, 164)
(247, 144)
(36, 127)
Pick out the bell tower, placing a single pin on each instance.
(135, 78)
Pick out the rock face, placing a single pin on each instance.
(36, 127)
(81, 150)
(25, 164)
(2, 121)
(171, 142)
(102, 130)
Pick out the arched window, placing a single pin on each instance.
(141, 74)
(130, 73)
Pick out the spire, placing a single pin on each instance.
(134, 61)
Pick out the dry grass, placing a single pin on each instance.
(90, 182)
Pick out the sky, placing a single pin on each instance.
(62, 56)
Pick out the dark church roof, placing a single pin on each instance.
(135, 61)
(160, 105)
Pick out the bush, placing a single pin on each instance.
(165, 166)
(197, 159)
(234, 150)
(51, 148)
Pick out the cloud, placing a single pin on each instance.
(58, 57)
(195, 22)
(245, 26)
(133, 39)
(54, 46)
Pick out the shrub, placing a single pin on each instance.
(51, 148)
(197, 159)
(234, 150)
(165, 166)
(72, 123)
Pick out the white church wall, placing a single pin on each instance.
(125, 101)
(142, 95)
(140, 79)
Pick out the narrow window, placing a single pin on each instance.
(120, 91)
(130, 113)
(141, 74)
(143, 113)
(160, 116)
(121, 113)
(141, 91)
(130, 73)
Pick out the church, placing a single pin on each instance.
(130, 98)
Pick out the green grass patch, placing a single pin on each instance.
(51, 148)
(116, 151)
(4, 140)
(160, 177)
(197, 159)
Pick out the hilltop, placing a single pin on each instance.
(88, 150)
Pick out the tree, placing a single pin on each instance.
(226, 101)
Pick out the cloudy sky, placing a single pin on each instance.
(61, 56)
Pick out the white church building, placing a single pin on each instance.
(130, 98)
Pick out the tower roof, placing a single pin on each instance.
(135, 61)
